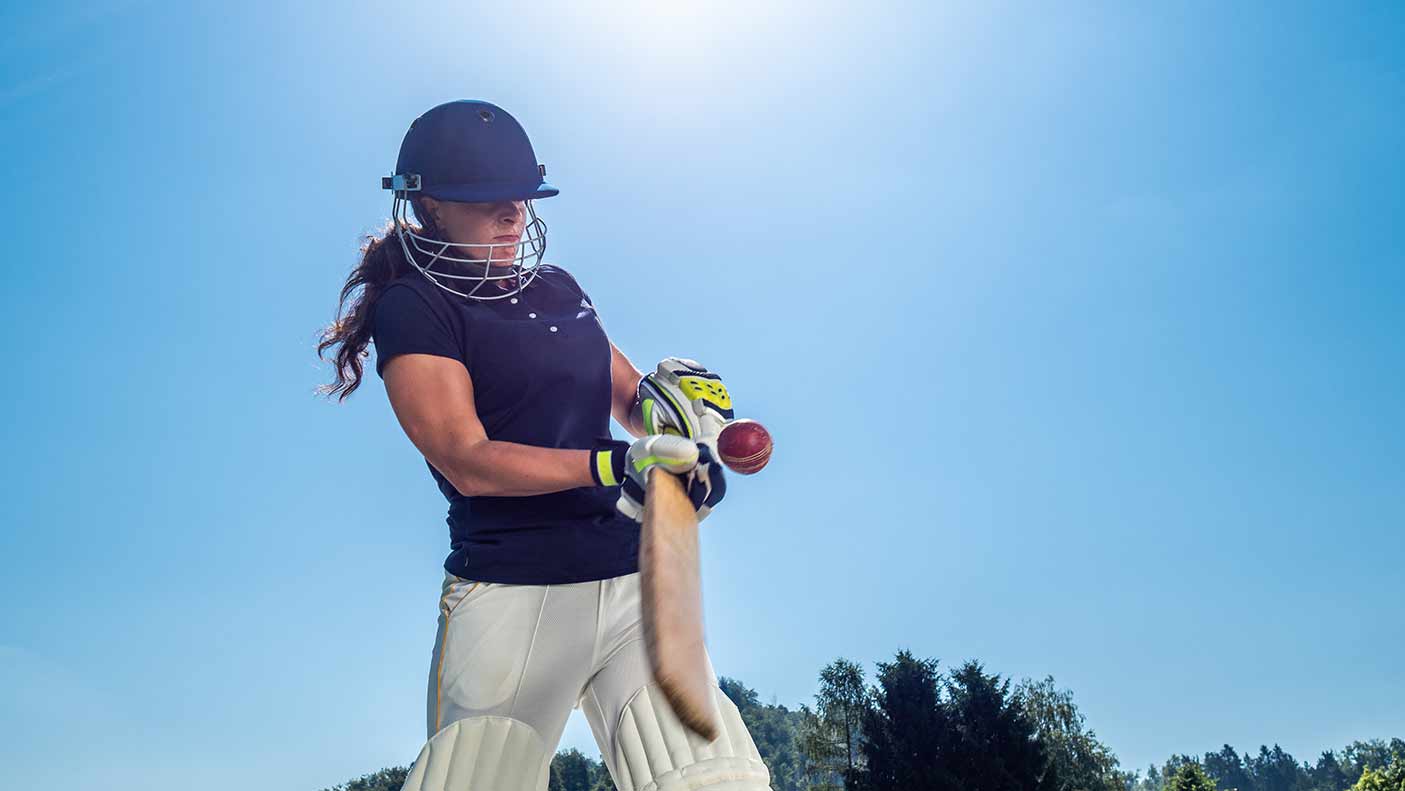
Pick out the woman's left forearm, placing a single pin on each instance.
(624, 392)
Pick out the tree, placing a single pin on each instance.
(995, 746)
(1189, 777)
(1328, 774)
(842, 701)
(1075, 756)
(1359, 756)
(1157, 777)
(774, 729)
(571, 770)
(1276, 770)
(819, 756)
(1390, 777)
(902, 733)
(1230, 770)
(1152, 781)
(828, 737)
(385, 780)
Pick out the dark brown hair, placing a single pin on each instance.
(382, 260)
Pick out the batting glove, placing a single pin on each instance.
(629, 465)
(685, 399)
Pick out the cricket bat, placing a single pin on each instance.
(671, 585)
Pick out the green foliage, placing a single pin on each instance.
(828, 738)
(1189, 777)
(1077, 760)
(1390, 777)
(1328, 774)
(842, 702)
(918, 729)
(1157, 778)
(571, 770)
(997, 747)
(967, 731)
(1152, 781)
(774, 729)
(903, 731)
(1230, 770)
(1359, 756)
(820, 760)
(385, 780)
(1275, 770)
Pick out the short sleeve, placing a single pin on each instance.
(575, 286)
(405, 323)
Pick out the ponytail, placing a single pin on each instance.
(382, 260)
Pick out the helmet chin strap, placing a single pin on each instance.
(457, 269)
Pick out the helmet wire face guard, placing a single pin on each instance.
(464, 269)
(470, 151)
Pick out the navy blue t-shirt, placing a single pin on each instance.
(540, 365)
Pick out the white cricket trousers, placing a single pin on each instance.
(531, 653)
(534, 652)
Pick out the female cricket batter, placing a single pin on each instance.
(500, 373)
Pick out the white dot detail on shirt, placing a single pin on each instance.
(531, 315)
(553, 329)
(513, 300)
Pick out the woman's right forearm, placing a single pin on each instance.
(433, 400)
(508, 469)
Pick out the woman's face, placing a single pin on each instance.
(499, 223)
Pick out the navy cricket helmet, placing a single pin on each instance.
(469, 151)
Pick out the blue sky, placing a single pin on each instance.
(1078, 330)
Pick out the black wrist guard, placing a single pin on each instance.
(607, 462)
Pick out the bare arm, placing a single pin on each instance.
(624, 387)
(433, 400)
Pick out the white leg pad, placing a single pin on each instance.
(654, 752)
(481, 754)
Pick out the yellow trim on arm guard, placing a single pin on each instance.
(710, 390)
(481, 754)
(683, 397)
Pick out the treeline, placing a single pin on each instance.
(1375, 765)
(916, 727)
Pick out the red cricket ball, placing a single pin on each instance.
(745, 446)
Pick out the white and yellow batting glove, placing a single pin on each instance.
(684, 398)
(627, 465)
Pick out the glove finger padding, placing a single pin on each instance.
(706, 484)
(675, 454)
(631, 502)
(704, 481)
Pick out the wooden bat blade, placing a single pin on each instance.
(671, 587)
